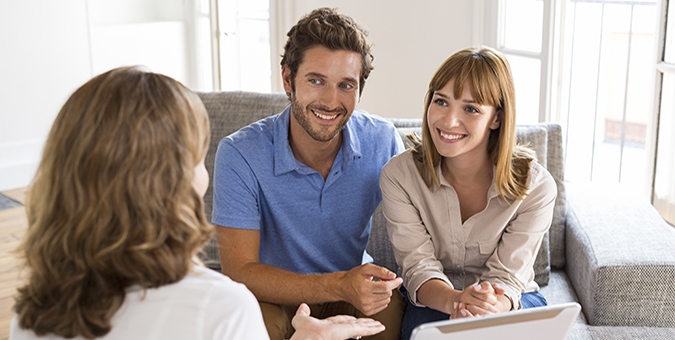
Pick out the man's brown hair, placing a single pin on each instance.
(326, 27)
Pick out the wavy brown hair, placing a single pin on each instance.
(328, 28)
(488, 74)
(112, 204)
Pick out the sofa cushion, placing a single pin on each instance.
(552, 159)
(379, 246)
(620, 282)
(555, 165)
(535, 137)
(559, 290)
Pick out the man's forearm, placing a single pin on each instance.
(276, 285)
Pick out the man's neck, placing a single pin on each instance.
(315, 154)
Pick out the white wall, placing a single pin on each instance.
(50, 48)
(152, 33)
(410, 40)
(45, 57)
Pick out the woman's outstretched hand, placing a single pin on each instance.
(338, 327)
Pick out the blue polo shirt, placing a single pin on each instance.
(307, 224)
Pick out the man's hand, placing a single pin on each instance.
(333, 328)
(368, 287)
(479, 299)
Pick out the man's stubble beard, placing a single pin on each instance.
(302, 117)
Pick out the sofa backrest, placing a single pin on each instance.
(230, 111)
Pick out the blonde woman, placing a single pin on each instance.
(116, 218)
(467, 208)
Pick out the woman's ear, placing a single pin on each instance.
(497, 119)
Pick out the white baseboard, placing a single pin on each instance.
(18, 162)
(17, 176)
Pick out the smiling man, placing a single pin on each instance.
(294, 192)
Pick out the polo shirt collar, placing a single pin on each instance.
(351, 145)
(284, 160)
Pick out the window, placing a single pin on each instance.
(664, 181)
(203, 56)
(608, 78)
(596, 81)
(523, 37)
(244, 39)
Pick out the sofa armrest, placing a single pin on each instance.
(620, 259)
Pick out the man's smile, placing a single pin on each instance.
(325, 116)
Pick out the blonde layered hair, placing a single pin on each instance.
(112, 204)
(488, 75)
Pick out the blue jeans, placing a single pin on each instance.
(415, 316)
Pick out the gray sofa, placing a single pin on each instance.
(613, 255)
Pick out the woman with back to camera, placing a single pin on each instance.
(466, 207)
(116, 218)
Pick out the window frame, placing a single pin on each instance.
(551, 58)
(491, 34)
(661, 67)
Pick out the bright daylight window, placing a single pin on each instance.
(604, 95)
(244, 45)
(664, 181)
(204, 66)
(608, 76)
(521, 42)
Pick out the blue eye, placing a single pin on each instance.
(346, 86)
(314, 81)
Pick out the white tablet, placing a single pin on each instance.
(550, 322)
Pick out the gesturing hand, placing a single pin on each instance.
(369, 287)
(333, 328)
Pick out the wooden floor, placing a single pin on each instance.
(12, 228)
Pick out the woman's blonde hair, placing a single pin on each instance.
(112, 204)
(488, 75)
